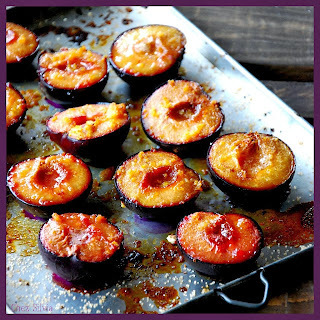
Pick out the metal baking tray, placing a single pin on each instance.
(247, 105)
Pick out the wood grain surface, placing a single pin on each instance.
(280, 36)
(276, 45)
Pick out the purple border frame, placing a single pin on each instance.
(314, 3)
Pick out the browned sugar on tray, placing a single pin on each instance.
(161, 296)
(284, 228)
(32, 97)
(165, 258)
(22, 231)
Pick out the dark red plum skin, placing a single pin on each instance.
(81, 272)
(148, 82)
(74, 96)
(192, 149)
(14, 126)
(46, 212)
(92, 149)
(21, 70)
(159, 213)
(222, 272)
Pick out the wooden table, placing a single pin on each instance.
(276, 45)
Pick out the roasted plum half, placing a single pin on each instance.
(253, 169)
(50, 184)
(88, 131)
(157, 185)
(72, 75)
(22, 45)
(81, 248)
(180, 117)
(221, 246)
(148, 55)
(16, 108)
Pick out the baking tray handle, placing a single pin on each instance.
(248, 304)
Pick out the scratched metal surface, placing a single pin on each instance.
(247, 105)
